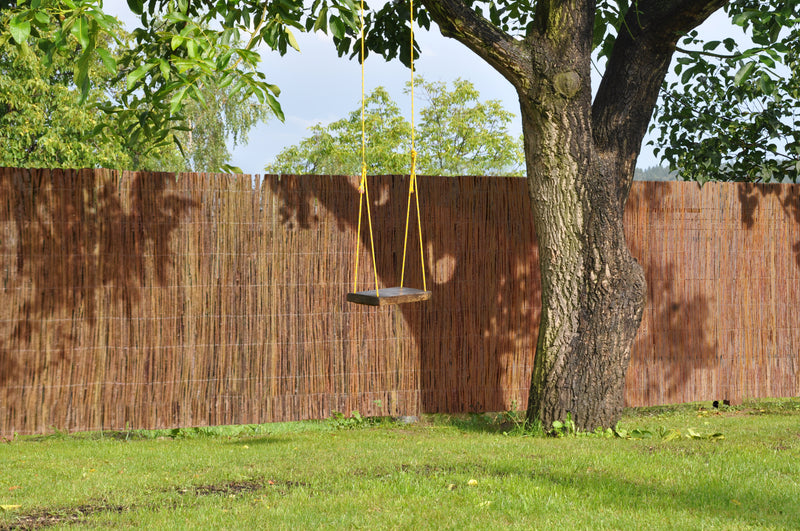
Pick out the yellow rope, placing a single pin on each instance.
(412, 186)
(363, 190)
(421, 250)
(411, 64)
(412, 178)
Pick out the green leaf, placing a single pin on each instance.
(108, 60)
(764, 59)
(693, 434)
(163, 65)
(766, 173)
(41, 19)
(227, 168)
(494, 14)
(20, 29)
(743, 73)
(176, 16)
(107, 22)
(322, 20)
(640, 433)
(767, 85)
(177, 101)
(137, 6)
(337, 27)
(729, 44)
(138, 74)
(275, 106)
(292, 40)
(744, 16)
(81, 75)
(80, 30)
(672, 435)
(274, 89)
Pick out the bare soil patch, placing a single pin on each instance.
(72, 515)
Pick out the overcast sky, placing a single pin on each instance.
(319, 87)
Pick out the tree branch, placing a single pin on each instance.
(506, 55)
(708, 54)
(636, 69)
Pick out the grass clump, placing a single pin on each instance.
(475, 471)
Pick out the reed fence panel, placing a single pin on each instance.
(146, 300)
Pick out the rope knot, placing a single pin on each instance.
(361, 185)
(413, 175)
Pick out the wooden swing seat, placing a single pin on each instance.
(387, 296)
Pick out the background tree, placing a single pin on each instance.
(44, 123)
(223, 118)
(457, 135)
(336, 149)
(655, 173)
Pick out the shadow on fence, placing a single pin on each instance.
(156, 301)
(75, 235)
(484, 312)
(788, 198)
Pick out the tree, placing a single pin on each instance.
(209, 125)
(655, 173)
(580, 152)
(733, 113)
(336, 149)
(458, 134)
(176, 52)
(580, 156)
(43, 123)
(461, 135)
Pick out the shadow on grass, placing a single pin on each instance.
(265, 439)
(497, 423)
(731, 505)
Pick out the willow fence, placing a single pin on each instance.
(147, 300)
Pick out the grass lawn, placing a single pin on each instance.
(443, 472)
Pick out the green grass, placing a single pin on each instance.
(387, 475)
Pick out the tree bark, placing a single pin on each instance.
(593, 291)
(580, 161)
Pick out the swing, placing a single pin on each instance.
(401, 294)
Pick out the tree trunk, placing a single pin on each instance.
(593, 291)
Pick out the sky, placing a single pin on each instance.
(317, 86)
